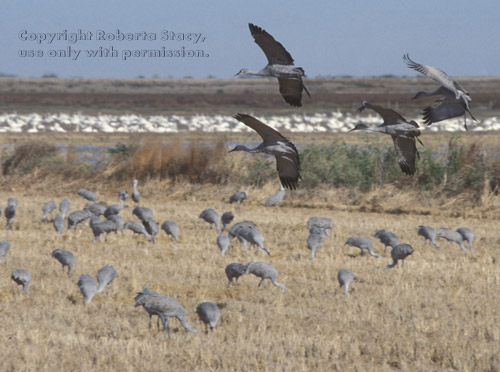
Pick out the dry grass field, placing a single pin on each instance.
(437, 313)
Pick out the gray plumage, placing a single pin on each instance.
(78, 217)
(143, 213)
(404, 135)
(279, 65)
(274, 143)
(12, 201)
(137, 228)
(100, 227)
(10, 213)
(138, 298)
(136, 195)
(428, 233)
(315, 239)
(387, 238)
(264, 271)
(165, 307)
(64, 207)
(238, 197)
(97, 209)
(226, 219)
(58, 224)
(48, 208)
(21, 277)
(455, 99)
(345, 278)
(123, 195)
(66, 258)
(275, 199)
(171, 228)
(105, 276)
(253, 236)
(114, 209)
(118, 221)
(324, 223)
(212, 217)
(151, 227)
(399, 252)
(361, 243)
(88, 285)
(89, 195)
(451, 236)
(223, 242)
(4, 249)
(468, 235)
(234, 230)
(209, 313)
(234, 271)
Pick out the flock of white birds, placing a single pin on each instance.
(334, 122)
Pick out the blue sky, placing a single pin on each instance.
(326, 38)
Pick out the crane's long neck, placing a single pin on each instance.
(186, 325)
(263, 72)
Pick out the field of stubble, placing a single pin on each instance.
(437, 313)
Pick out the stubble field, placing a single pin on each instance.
(438, 313)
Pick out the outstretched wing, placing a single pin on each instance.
(406, 152)
(275, 52)
(434, 73)
(388, 115)
(267, 133)
(289, 170)
(291, 90)
(442, 109)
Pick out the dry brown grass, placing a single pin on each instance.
(438, 313)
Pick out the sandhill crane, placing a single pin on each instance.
(118, 221)
(234, 271)
(275, 199)
(64, 207)
(451, 236)
(324, 223)
(48, 208)
(151, 227)
(428, 233)
(123, 195)
(223, 242)
(362, 243)
(100, 227)
(143, 213)
(234, 230)
(468, 235)
(264, 271)
(403, 133)
(171, 228)
(21, 277)
(147, 291)
(88, 285)
(77, 217)
(226, 219)
(114, 209)
(97, 209)
(279, 65)
(387, 238)
(89, 195)
(212, 217)
(455, 100)
(399, 252)
(4, 249)
(165, 307)
(58, 224)
(285, 152)
(66, 258)
(345, 278)
(238, 197)
(10, 211)
(209, 313)
(137, 228)
(315, 239)
(136, 195)
(253, 236)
